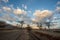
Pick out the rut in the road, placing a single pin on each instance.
(24, 35)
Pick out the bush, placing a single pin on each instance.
(2, 24)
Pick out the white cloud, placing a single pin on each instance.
(5, 1)
(25, 18)
(34, 26)
(39, 15)
(42, 14)
(58, 9)
(19, 11)
(11, 10)
(7, 9)
(35, 20)
(24, 6)
(58, 2)
(7, 13)
(8, 17)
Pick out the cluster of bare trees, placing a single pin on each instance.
(40, 25)
(2, 24)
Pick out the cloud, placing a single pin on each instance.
(5, 1)
(58, 2)
(24, 6)
(11, 10)
(30, 11)
(39, 15)
(34, 20)
(7, 9)
(19, 11)
(0, 10)
(26, 19)
(7, 13)
(8, 17)
(58, 9)
(42, 14)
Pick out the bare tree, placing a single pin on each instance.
(22, 22)
(48, 24)
(39, 25)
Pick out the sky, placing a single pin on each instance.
(30, 10)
